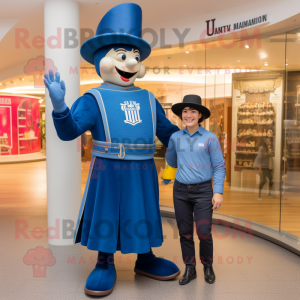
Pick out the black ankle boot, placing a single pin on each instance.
(209, 274)
(189, 274)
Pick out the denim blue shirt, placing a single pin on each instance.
(197, 156)
(263, 158)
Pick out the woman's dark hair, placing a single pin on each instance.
(199, 121)
(262, 143)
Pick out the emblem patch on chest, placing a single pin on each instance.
(132, 114)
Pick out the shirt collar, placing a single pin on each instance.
(199, 130)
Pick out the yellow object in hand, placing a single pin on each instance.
(168, 174)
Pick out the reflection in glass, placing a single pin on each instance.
(290, 204)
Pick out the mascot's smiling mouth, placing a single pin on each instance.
(125, 76)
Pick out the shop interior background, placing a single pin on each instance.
(252, 90)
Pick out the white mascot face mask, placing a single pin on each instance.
(121, 67)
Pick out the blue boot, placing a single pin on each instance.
(155, 267)
(103, 278)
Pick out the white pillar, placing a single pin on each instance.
(63, 158)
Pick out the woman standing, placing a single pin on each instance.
(264, 163)
(197, 154)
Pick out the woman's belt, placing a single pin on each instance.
(189, 185)
(123, 151)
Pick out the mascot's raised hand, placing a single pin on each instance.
(57, 91)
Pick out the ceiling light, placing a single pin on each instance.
(247, 46)
(22, 78)
(184, 65)
(187, 52)
(266, 64)
(263, 55)
(238, 61)
(286, 64)
(0, 83)
(24, 90)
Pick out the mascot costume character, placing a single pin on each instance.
(120, 206)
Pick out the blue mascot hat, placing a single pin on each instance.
(120, 25)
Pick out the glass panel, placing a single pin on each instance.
(243, 88)
(252, 116)
(290, 203)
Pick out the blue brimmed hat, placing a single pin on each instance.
(193, 101)
(120, 25)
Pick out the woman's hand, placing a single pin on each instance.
(217, 201)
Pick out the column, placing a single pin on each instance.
(63, 158)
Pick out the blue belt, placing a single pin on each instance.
(123, 151)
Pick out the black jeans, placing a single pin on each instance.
(266, 173)
(197, 199)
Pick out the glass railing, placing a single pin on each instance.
(252, 88)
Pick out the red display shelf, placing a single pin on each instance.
(19, 124)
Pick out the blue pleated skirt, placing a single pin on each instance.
(121, 210)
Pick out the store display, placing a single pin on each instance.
(19, 125)
(171, 116)
(4, 146)
(256, 116)
(251, 130)
(216, 121)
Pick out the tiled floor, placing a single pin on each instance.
(246, 267)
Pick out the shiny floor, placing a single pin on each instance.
(246, 267)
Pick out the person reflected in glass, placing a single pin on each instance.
(197, 155)
(264, 163)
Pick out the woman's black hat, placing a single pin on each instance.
(193, 101)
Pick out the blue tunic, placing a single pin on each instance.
(121, 211)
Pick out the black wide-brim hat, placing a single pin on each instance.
(193, 101)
